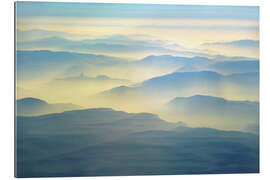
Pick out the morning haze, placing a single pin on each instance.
(170, 89)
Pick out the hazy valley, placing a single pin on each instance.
(136, 89)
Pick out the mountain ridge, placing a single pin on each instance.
(30, 106)
(43, 141)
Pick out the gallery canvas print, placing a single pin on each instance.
(107, 89)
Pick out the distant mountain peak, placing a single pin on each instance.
(170, 57)
(197, 73)
(163, 58)
(199, 97)
(204, 98)
(146, 116)
(121, 88)
(103, 77)
(32, 106)
(160, 56)
(31, 100)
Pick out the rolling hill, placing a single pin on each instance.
(102, 141)
(215, 112)
(33, 106)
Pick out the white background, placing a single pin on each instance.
(7, 90)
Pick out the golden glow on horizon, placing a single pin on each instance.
(190, 33)
(100, 27)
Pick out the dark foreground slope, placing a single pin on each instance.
(98, 142)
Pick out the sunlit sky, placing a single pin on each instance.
(135, 30)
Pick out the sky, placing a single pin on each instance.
(133, 31)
